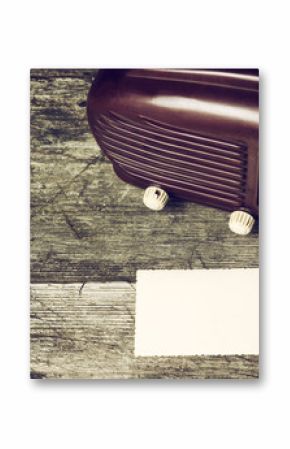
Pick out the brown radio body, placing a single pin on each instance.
(193, 133)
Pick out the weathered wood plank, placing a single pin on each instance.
(97, 229)
(62, 73)
(87, 331)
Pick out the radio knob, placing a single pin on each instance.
(155, 198)
(241, 222)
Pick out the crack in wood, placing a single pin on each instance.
(73, 227)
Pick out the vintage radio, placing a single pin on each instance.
(190, 134)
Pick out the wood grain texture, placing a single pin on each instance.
(87, 331)
(89, 226)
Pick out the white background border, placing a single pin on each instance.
(204, 414)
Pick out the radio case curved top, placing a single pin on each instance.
(193, 133)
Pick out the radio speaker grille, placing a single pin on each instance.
(209, 170)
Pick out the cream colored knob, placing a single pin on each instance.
(155, 198)
(241, 222)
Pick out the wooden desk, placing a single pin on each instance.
(89, 235)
